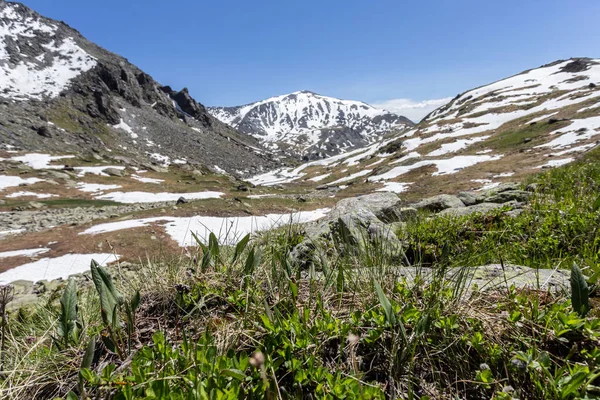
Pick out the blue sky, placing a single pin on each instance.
(232, 52)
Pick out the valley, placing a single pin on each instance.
(300, 246)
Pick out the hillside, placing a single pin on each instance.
(309, 125)
(541, 118)
(62, 93)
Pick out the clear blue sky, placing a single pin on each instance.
(234, 52)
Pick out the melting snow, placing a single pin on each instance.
(146, 197)
(55, 268)
(30, 194)
(23, 253)
(11, 181)
(146, 180)
(95, 187)
(394, 187)
(352, 176)
(228, 230)
(123, 126)
(319, 178)
(35, 79)
(556, 163)
(40, 161)
(456, 146)
(580, 129)
(448, 166)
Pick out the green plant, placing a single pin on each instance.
(580, 296)
(112, 303)
(68, 326)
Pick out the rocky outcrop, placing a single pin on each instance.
(352, 224)
(106, 104)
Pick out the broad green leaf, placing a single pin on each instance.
(135, 301)
(580, 297)
(240, 247)
(88, 357)
(385, 304)
(213, 245)
(110, 298)
(68, 316)
(597, 204)
(234, 373)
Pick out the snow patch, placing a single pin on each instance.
(55, 268)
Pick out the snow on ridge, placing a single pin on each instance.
(285, 117)
(49, 73)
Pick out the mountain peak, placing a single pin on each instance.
(307, 124)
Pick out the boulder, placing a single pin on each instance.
(114, 172)
(477, 208)
(509, 195)
(439, 203)
(351, 224)
(181, 200)
(44, 131)
(375, 202)
(22, 287)
(397, 213)
(57, 174)
(468, 198)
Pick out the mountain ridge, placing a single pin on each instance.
(63, 93)
(311, 125)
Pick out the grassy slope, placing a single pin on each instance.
(210, 327)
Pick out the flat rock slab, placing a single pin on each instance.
(484, 278)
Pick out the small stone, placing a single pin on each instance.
(182, 200)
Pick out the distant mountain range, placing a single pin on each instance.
(311, 125)
(540, 118)
(62, 94)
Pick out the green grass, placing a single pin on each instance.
(515, 138)
(247, 322)
(559, 226)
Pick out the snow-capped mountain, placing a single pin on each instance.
(62, 93)
(540, 118)
(310, 124)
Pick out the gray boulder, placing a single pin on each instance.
(397, 213)
(509, 195)
(477, 208)
(114, 172)
(351, 225)
(469, 198)
(439, 203)
(375, 202)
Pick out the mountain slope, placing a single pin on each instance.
(61, 93)
(540, 118)
(311, 125)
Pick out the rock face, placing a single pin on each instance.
(61, 93)
(309, 125)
